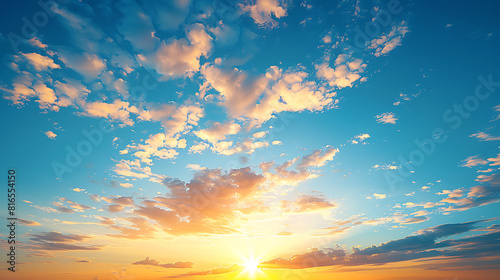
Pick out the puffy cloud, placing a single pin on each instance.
(388, 42)
(50, 134)
(159, 145)
(46, 96)
(259, 134)
(386, 118)
(262, 11)
(195, 167)
(362, 136)
(35, 41)
(292, 92)
(153, 262)
(40, 62)
(254, 98)
(248, 146)
(19, 93)
(379, 195)
(198, 148)
(174, 118)
(218, 131)
(210, 196)
(118, 111)
(238, 91)
(176, 58)
(327, 39)
(126, 185)
(265, 166)
(347, 71)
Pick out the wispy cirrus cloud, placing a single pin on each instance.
(387, 118)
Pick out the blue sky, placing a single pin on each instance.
(294, 119)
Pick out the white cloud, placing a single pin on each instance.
(35, 41)
(195, 167)
(388, 42)
(118, 111)
(327, 39)
(180, 57)
(484, 136)
(176, 119)
(262, 11)
(473, 161)
(386, 118)
(360, 138)
(346, 71)
(218, 131)
(198, 148)
(40, 62)
(317, 158)
(379, 195)
(50, 134)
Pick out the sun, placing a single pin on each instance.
(251, 266)
(250, 269)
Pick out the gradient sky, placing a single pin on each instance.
(263, 139)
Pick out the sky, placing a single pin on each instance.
(267, 139)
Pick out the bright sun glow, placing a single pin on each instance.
(251, 266)
(251, 269)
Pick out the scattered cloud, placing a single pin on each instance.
(386, 118)
(50, 134)
(154, 262)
